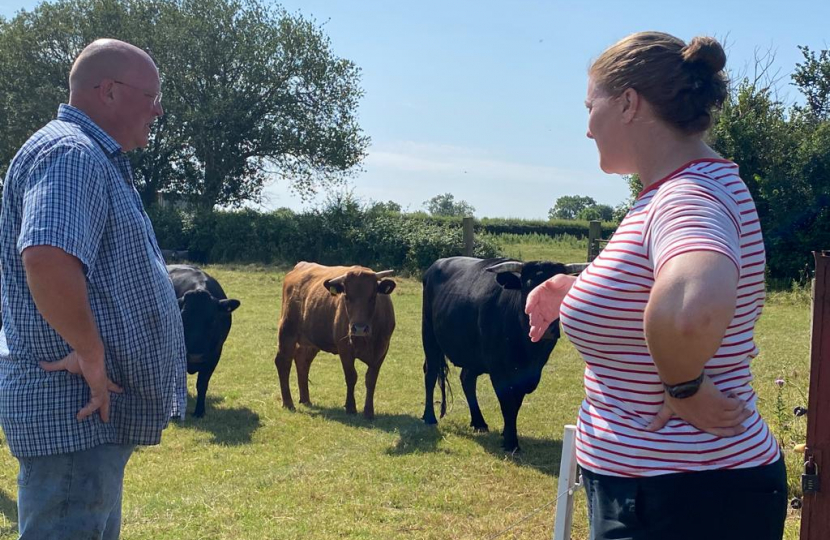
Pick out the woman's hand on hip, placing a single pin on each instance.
(709, 410)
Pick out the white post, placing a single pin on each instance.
(567, 480)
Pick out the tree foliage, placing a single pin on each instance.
(784, 156)
(570, 206)
(446, 205)
(601, 212)
(251, 92)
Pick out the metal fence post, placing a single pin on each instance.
(567, 484)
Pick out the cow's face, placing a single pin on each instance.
(525, 277)
(206, 322)
(359, 292)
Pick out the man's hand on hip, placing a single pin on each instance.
(92, 369)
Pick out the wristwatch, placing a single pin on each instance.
(685, 389)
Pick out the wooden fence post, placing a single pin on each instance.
(594, 235)
(815, 514)
(469, 236)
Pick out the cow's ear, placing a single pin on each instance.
(509, 280)
(334, 287)
(386, 286)
(228, 305)
(181, 302)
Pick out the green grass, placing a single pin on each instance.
(540, 247)
(251, 470)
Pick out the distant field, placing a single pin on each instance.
(251, 470)
(539, 247)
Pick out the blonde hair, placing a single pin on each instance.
(684, 83)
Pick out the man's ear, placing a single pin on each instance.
(105, 91)
(630, 101)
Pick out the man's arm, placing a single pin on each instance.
(58, 286)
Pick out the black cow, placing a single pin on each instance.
(473, 314)
(206, 315)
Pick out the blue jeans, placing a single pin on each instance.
(736, 504)
(75, 495)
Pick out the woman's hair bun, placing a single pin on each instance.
(705, 52)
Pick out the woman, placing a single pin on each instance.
(669, 441)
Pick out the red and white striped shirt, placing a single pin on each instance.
(703, 206)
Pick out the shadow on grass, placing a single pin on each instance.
(540, 454)
(232, 426)
(413, 435)
(8, 508)
(416, 437)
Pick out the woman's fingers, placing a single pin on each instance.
(661, 419)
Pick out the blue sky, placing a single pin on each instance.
(485, 99)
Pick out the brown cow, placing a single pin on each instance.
(336, 309)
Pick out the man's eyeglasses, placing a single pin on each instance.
(155, 97)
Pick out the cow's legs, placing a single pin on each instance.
(510, 401)
(468, 383)
(303, 357)
(202, 386)
(434, 361)
(347, 360)
(371, 380)
(285, 354)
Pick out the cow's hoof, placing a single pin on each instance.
(307, 403)
(481, 429)
(429, 420)
(512, 448)
(289, 406)
(368, 415)
(198, 414)
(351, 410)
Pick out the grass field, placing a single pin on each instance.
(251, 470)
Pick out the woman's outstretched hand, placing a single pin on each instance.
(544, 301)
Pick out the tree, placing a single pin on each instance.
(445, 205)
(388, 207)
(250, 92)
(569, 206)
(601, 212)
(784, 158)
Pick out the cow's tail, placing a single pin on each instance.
(443, 371)
(435, 362)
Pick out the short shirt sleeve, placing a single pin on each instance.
(65, 204)
(691, 216)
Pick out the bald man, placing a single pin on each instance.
(92, 352)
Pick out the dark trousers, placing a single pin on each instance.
(741, 504)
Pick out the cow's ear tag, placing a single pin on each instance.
(333, 290)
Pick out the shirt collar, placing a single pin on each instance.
(68, 113)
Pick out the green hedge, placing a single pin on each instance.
(576, 228)
(343, 233)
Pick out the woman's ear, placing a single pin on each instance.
(630, 103)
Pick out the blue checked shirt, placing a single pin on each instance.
(70, 186)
